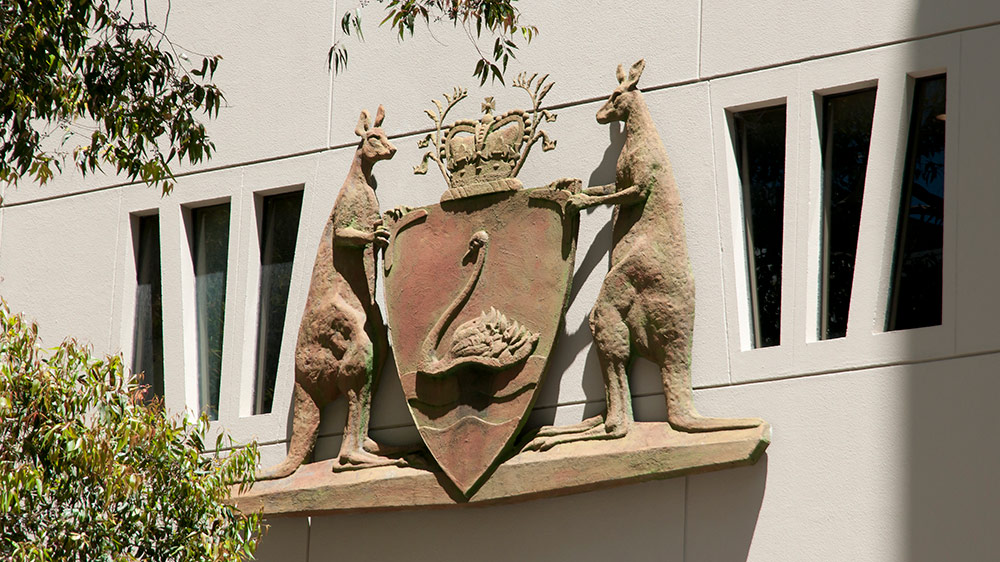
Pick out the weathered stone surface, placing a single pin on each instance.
(484, 156)
(477, 285)
(342, 342)
(646, 304)
(476, 288)
(649, 451)
(470, 345)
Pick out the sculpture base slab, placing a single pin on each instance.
(650, 451)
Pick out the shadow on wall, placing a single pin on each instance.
(721, 524)
(605, 172)
(575, 339)
(954, 460)
(953, 494)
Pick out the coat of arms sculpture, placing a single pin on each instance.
(476, 287)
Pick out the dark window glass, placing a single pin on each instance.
(147, 339)
(915, 299)
(760, 153)
(210, 252)
(847, 134)
(279, 226)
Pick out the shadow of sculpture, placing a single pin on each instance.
(604, 173)
(724, 504)
(577, 338)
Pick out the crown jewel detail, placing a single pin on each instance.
(485, 156)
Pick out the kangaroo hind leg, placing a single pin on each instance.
(613, 343)
(305, 429)
(359, 377)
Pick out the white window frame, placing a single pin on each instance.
(244, 189)
(893, 69)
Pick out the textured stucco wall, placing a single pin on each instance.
(884, 443)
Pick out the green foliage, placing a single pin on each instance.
(111, 82)
(498, 17)
(87, 472)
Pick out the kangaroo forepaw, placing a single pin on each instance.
(396, 213)
(573, 185)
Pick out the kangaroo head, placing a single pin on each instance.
(620, 103)
(374, 145)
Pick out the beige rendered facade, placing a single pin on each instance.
(884, 441)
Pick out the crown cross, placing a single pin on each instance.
(485, 156)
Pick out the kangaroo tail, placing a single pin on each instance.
(305, 429)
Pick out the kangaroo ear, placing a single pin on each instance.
(379, 116)
(620, 74)
(363, 125)
(635, 72)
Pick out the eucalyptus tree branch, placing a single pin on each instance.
(499, 18)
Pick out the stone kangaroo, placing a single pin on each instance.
(342, 341)
(646, 303)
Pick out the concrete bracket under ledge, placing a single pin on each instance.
(650, 451)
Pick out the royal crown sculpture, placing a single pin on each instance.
(476, 288)
(484, 156)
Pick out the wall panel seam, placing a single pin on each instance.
(115, 271)
(719, 231)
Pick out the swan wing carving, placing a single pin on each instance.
(490, 341)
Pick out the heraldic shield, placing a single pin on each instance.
(475, 292)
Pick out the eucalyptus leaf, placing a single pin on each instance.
(500, 18)
(90, 472)
(111, 74)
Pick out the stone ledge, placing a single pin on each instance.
(651, 451)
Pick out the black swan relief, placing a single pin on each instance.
(491, 340)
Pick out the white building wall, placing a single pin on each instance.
(884, 444)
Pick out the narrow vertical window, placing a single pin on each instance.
(915, 299)
(847, 134)
(147, 339)
(279, 227)
(760, 152)
(210, 252)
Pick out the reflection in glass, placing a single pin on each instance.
(279, 226)
(210, 252)
(147, 339)
(760, 152)
(847, 134)
(915, 299)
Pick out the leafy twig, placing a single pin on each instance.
(498, 17)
